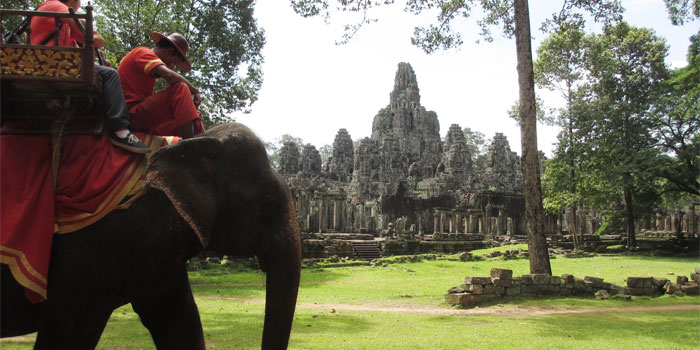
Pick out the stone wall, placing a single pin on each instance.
(502, 283)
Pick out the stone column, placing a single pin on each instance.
(458, 221)
(436, 221)
(693, 227)
(442, 222)
(501, 222)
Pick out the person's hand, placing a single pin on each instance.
(197, 98)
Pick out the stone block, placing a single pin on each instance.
(516, 281)
(566, 291)
(550, 289)
(615, 289)
(514, 290)
(606, 286)
(695, 277)
(500, 290)
(639, 282)
(525, 279)
(568, 278)
(459, 289)
(540, 278)
(489, 289)
(691, 288)
(554, 280)
(501, 282)
(503, 274)
(471, 300)
(478, 280)
(641, 291)
(474, 288)
(602, 294)
(681, 279)
(597, 282)
(531, 288)
(659, 282)
(588, 286)
(455, 298)
(671, 288)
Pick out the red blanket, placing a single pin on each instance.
(94, 178)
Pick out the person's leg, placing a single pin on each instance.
(118, 117)
(170, 112)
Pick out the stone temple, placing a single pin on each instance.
(404, 188)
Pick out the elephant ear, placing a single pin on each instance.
(188, 175)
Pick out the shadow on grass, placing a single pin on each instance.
(632, 328)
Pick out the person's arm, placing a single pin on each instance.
(173, 77)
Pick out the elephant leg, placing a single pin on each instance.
(67, 329)
(172, 317)
(16, 312)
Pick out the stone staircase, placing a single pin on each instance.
(366, 250)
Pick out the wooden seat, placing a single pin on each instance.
(42, 84)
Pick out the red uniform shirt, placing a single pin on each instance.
(135, 75)
(43, 27)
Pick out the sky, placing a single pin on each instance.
(313, 87)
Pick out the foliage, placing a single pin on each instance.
(677, 130)
(273, 148)
(477, 147)
(326, 152)
(225, 44)
(682, 11)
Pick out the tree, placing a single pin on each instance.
(477, 147)
(225, 44)
(273, 148)
(677, 130)
(513, 17)
(560, 66)
(626, 66)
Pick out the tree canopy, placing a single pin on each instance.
(225, 43)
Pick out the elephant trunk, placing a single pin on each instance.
(283, 266)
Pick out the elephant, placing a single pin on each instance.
(215, 191)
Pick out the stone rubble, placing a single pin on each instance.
(477, 290)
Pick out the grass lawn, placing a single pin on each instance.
(326, 318)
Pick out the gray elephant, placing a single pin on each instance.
(215, 191)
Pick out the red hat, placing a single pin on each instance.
(180, 43)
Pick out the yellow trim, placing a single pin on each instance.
(20, 277)
(132, 187)
(18, 254)
(133, 166)
(150, 63)
(115, 192)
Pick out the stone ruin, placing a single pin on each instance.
(405, 175)
(502, 283)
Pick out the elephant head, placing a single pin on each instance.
(222, 185)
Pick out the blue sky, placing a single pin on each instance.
(313, 87)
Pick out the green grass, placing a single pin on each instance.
(231, 324)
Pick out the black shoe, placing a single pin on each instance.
(130, 143)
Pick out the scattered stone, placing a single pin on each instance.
(681, 279)
(595, 281)
(639, 282)
(602, 294)
(478, 280)
(623, 297)
(691, 288)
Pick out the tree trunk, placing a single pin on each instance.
(534, 212)
(629, 214)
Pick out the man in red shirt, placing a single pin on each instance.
(172, 111)
(118, 118)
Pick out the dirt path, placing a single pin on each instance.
(500, 310)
